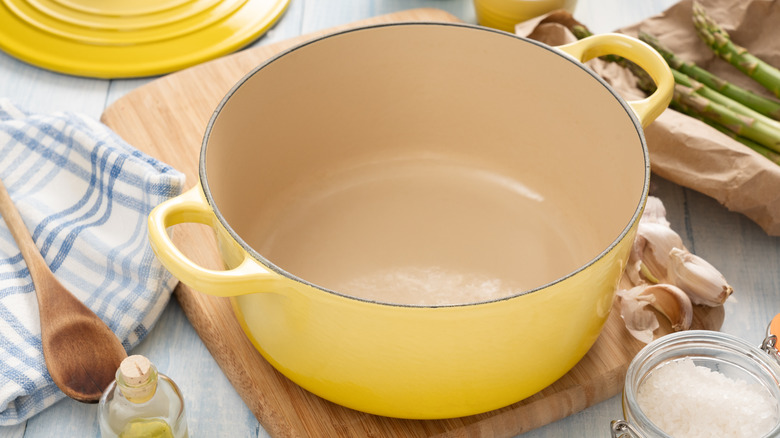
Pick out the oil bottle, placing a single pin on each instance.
(141, 403)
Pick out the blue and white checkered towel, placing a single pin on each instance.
(85, 196)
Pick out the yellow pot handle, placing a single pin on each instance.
(639, 53)
(191, 207)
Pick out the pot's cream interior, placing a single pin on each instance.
(425, 164)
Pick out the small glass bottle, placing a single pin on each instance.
(141, 403)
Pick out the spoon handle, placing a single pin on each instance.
(81, 352)
(20, 233)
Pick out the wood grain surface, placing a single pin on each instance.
(166, 118)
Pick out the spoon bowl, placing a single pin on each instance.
(81, 352)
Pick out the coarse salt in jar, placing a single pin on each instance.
(702, 383)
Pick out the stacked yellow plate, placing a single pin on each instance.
(130, 38)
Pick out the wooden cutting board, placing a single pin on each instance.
(166, 119)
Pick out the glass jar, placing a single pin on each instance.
(505, 14)
(720, 352)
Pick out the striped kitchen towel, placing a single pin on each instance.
(85, 196)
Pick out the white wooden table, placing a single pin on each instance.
(748, 257)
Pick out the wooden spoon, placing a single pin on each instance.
(81, 352)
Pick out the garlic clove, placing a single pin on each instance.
(698, 278)
(655, 212)
(653, 244)
(673, 303)
(640, 321)
(634, 264)
(669, 300)
(654, 239)
(625, 282)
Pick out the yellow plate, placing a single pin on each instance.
(117, 38)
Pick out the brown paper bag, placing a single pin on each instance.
(685, 150)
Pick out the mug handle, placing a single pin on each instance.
(639, 53)
(191, 207)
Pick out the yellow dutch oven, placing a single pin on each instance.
(422, 220)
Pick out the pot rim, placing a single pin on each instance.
(270, 265)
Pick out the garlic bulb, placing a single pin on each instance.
(663, 274)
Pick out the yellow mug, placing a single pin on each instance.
(505, 14)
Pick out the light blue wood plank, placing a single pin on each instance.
(118, 88)
(591, 422)
(13, 431)
(213, 407)
(464, 10)
(288, 26)
(44, 91)
(748, 258)
(67, 418)
(322, 15)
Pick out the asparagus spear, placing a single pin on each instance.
(767, 135)
(709, 93)
(720, 42)
(768, 153)
(765, 106)
(686, 86)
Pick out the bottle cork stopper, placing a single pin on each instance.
(135, 369)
